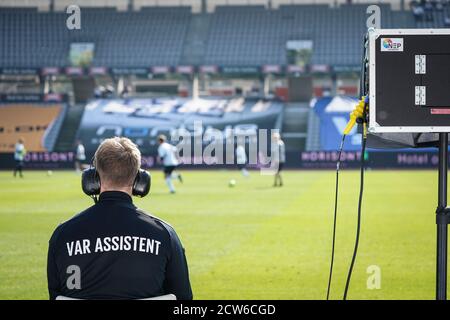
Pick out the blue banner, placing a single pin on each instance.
(334, 115)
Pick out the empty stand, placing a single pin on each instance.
(165, 35)
(243, 35)
(152, 36)
(29, 121)
(71, 122)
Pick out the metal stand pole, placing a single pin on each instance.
(442, 220)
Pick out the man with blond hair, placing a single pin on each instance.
(113, 250)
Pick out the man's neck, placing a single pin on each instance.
(127, 190)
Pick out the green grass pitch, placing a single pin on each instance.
(252, 241)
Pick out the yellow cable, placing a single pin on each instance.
(354, 115)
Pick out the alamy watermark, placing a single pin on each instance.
(374, 278)
(374, 20)
(74, 278)
(73, 21)
(211, 146)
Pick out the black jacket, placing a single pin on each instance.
(115, 251)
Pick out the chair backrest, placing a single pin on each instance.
(164, 297)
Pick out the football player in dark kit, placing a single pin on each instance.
(113, 250)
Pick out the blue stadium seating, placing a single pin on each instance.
(437, 19)
(242, 35)
(148, 37)
(252, 35)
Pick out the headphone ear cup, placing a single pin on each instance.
(90, 182)
(142, 183)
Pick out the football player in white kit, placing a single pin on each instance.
(241, 159)
(19, 155)
(280, 158)
(167, 155)
(80, 156)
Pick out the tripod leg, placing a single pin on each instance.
(442, 220)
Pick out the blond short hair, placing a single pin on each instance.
(118, 161)
(162, 138)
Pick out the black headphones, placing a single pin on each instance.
(90, 183)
